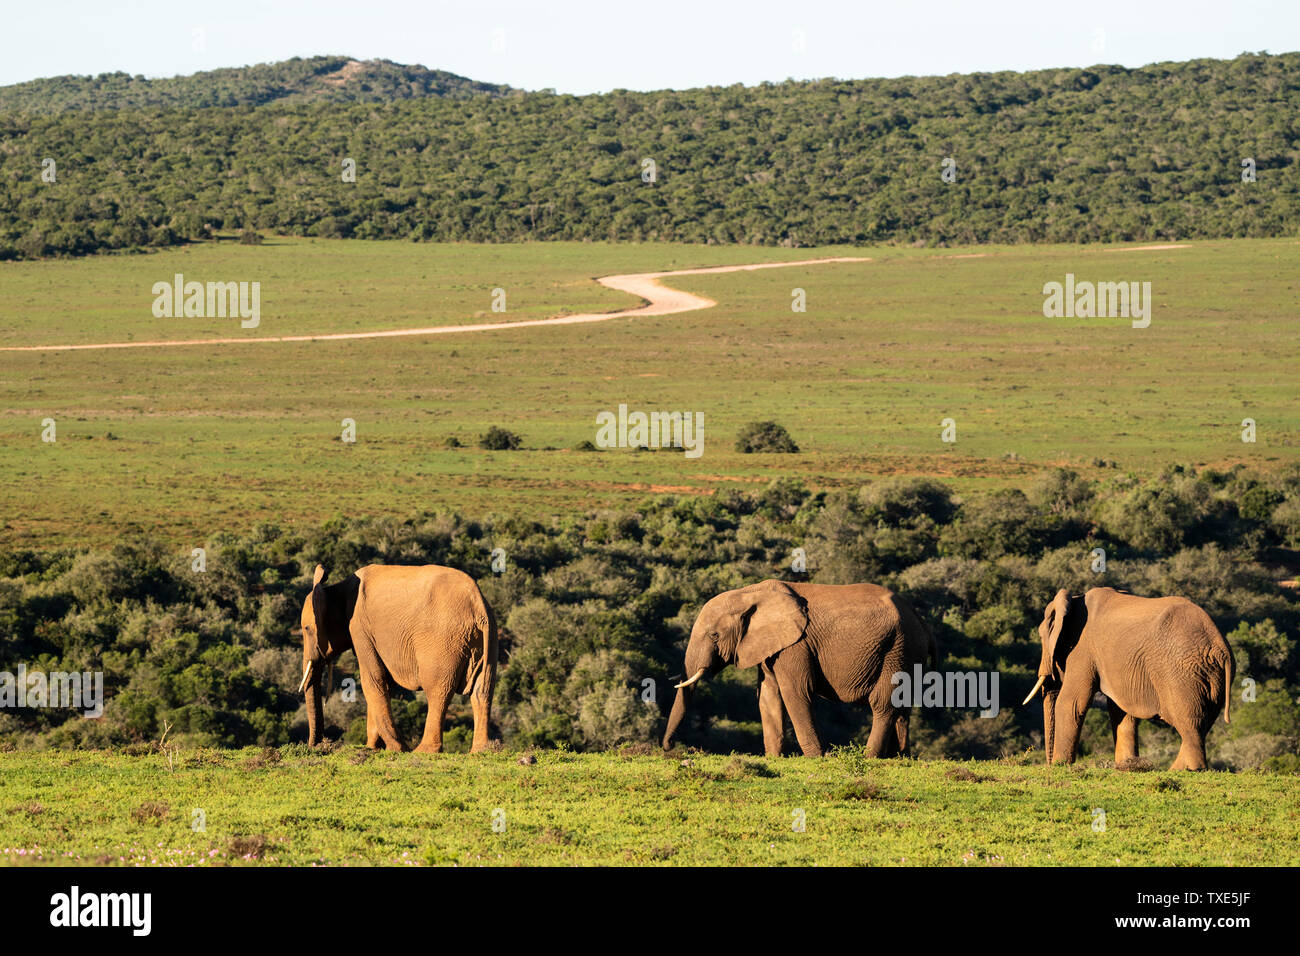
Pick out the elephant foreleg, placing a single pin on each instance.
(771, 711)
(1124, 727)
(374, 685)
(1071, 705)
(794, 678)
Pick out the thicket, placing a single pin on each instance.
(592, 605)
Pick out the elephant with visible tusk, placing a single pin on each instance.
(422, 627)
(1154, 659)
(842, 642)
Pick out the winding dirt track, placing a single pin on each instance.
(660, 300)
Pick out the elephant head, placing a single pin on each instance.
(743, 627)
(1050, 671)
(325, 635)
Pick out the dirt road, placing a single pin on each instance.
(659, 299)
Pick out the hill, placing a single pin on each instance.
(336, 79)
(1073, 155)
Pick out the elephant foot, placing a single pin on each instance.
(429, 749)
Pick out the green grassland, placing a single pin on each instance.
(178, 442)
(353, 807)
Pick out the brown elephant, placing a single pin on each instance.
(1154, 659)
(842, 642)
(415, 627)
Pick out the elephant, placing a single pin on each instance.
(1154, 659)
(419, 627)
(842, 642)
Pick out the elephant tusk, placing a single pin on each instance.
(687, 683)
(1033, 692)
(306, 673)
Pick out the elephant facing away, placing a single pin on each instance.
(841, 642)
(415, 627)
(1154, 659)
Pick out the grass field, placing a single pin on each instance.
(295, 806)
(182, 442)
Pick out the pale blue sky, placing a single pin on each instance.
(584, 46)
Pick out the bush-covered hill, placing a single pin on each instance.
(336, 79)
(592, 605)
(1069, 155)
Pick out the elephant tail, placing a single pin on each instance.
(487, 627)
(1227, 687)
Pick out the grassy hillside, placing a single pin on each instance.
(291, 806)
(1102, 154)
(178, 442)
(334, 79)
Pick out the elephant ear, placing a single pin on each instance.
(1057, 612)
(774, 619)
(318, 609)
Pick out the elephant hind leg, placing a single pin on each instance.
(1124, 728)
(1191, 755)
(438, 686)
(901, 722)
(438, 697)
(881, 742)
(481, 701)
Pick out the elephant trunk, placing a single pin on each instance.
(677, 715)
(315, 708)
(1049, 722)
(700, 660)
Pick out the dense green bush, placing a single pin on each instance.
(591, 606)
(499, 439)
(765, 436)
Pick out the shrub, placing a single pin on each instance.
(1286, 521)
(1252, 750)
(1061, 492)
(1267, 649)
(605, 691)
(765, 437)
(498, 439)
(990, 526)
(903, 502)
(1158, 515)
